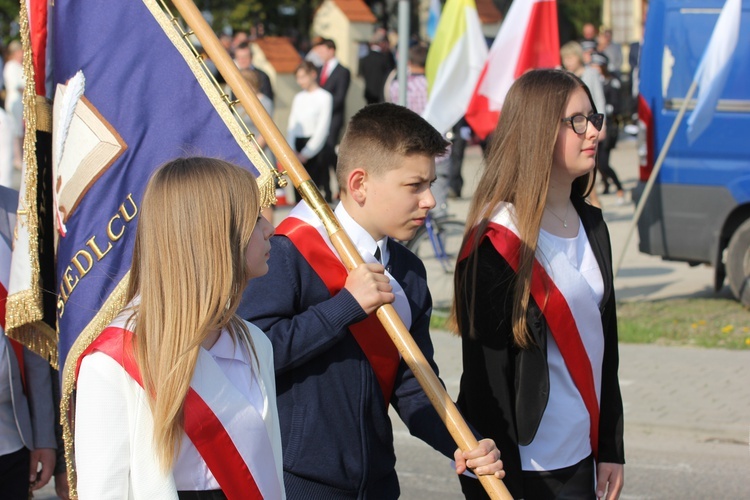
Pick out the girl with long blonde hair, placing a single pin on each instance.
(534, 300)
(176, 398)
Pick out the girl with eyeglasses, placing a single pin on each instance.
(535, 304)
(576, 60)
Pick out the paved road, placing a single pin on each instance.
(687, 410)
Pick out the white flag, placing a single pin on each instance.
(714, 68)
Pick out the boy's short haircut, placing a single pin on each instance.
(327, 42)
(380, 134)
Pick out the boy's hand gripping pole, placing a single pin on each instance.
(344, 246)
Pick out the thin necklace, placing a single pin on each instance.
(564, 220)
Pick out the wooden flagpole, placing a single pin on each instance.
(350, 256)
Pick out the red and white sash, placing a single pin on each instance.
(229, 434)
(562, 312)
(308, 235)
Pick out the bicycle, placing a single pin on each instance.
(437, 244)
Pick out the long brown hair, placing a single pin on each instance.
(188, 274)
(517, 171)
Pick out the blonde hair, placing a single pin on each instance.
(517, 171)
(572, 48)
(189, 271)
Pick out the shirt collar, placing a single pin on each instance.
(365, 243)
(227, 348)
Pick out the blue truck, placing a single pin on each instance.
(699, 209)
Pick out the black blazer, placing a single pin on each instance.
(504, 390)
(374, 69)
(264, 83)
(337, 84)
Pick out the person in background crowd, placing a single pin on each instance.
(460, 135)
(27, 415)
(416, 81)
(535, 301)
(631, 107)
(243, 58)
(308, 126)
(239, 38)
(612, 50)
(7, 144)
(226, 42)
(334, 78)
(589, 35)
(375, 67)
(14, 84)
(612, 95)
(176, 398)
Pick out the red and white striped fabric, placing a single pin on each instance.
(528, 39)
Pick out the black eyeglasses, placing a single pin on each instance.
(580, 122)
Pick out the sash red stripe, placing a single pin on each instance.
(559, 318)
(38, 28)
(202, 426)
(369, 334)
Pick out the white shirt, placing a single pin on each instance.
(361, 238)
(14, 84)
(190, 471)
(310, 117)
(562, 438)
(114, 426)
(7, 131)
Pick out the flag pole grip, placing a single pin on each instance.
(351, 258)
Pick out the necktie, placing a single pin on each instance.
(377, 254)
(324, 73)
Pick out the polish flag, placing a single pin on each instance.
(528, 39)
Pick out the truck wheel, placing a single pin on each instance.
(738, 263)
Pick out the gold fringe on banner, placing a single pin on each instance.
(24, 310)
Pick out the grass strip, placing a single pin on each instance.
(700, 322)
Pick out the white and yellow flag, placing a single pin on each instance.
(454, 63)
